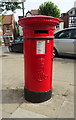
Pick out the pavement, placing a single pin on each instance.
(13, 104)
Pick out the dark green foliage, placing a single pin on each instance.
(49, 9)
(10, 6)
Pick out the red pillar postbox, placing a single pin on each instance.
(38, 33)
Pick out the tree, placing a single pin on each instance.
(6, 6)
(49, 9)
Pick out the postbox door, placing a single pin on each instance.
(38, 64)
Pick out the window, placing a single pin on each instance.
(28, 15)
(73, 12)
(72, 21)
(65, 34)
(57, 26)
(73, 34)
(7, 28)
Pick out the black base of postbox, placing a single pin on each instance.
(37, 97)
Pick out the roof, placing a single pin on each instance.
(74, 8)
(68, 12)
(7, 19)
(33, 12)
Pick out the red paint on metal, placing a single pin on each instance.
(38, 68)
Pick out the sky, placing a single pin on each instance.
(63, 5)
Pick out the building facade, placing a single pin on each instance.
(8, 28)
(32, 13)
(69, 17)
(72, 17)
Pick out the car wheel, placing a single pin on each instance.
(10, 49)
(55, 52)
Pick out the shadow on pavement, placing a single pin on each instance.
(13, 96)
(67, 57)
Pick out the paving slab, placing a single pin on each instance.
(5, 114)
(63, 70)
(52, 107)
(12, 71)
(22, 113)
(13, 100)
(0, 111)
(9, 108)
(67, 110)
(63, 89)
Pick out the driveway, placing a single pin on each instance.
(61, 105)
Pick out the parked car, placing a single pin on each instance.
(16, 45)
(65, 42)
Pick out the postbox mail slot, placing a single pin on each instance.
(41, 31)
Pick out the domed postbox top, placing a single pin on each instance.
(38, 20)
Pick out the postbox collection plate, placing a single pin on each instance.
(40, 47)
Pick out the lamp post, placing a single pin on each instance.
(23, 6)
